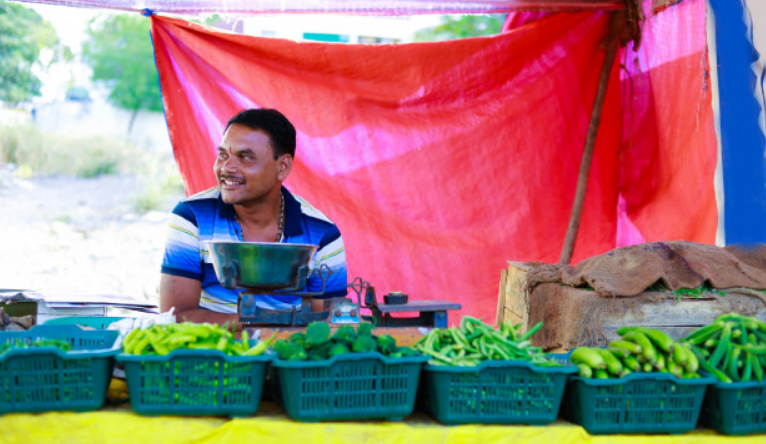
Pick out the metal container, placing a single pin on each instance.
(261, 265)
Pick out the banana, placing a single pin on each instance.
(648, 350)
(692, 364)
(613, 365)
(632, 363)
(602, 374)
(660, 339)
(588, 356)
(619, 352)
(631, 347)
(585, 371)
(675, 369)
(661, 363)
(648, 367)
(679, 355)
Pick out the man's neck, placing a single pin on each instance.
(260, 218)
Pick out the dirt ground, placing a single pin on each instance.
(66, 234)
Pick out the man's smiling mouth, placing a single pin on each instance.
(228, 181)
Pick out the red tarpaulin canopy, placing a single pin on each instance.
(364, 7)
(441, 161)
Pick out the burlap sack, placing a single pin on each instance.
(625, 278)
(629, 271)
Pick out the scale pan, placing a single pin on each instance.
(261, 265)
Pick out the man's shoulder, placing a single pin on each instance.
(210, 195)
(311, 212)
(198, 207)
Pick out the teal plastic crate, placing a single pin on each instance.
(45, 379)
(494, 392)
(636, 403)
(195, 383)
(735, 408)
(96, 322)
(348, 386)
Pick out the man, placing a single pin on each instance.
(249, 204)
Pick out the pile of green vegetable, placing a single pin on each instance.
(732, 348)
(317, 344)
(640, 349)
(63, 345)
(162, 339)
(474, 342)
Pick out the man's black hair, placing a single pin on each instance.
(272, 122)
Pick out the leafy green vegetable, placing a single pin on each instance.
(364, 344)
(338, 349)
(298, 338)
(289, 351)
(317, 333)
(344, 335)
(319, 352)
(364, 329)
(403, 352)
(317, 344)
(386, 344)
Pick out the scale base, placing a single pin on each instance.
(339, 312)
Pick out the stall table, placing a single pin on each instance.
(118, 424)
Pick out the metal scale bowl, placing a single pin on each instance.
(282, 269)
(268, 268)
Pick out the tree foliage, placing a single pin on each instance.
(23, 35)
(453, 27)
(119, 50)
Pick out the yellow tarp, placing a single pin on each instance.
(120, 425)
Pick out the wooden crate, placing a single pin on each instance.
(566, 317)
(512, 300)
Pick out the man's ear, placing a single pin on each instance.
(284, 166)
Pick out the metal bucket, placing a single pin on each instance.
(261, 265)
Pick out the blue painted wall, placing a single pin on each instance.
(743, 143)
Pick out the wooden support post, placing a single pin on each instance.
(587, 155)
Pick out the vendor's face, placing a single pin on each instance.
(245, 167)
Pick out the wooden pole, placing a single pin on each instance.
(587, 155)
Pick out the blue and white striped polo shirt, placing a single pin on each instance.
(206, 217)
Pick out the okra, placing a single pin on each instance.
(474, 341)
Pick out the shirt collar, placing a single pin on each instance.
(292, 213)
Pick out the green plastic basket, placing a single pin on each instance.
(735, 408)
(636, 403)
(494, 392)
(45, 379)
(349, 386)
(96, 322)
(195, 383)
